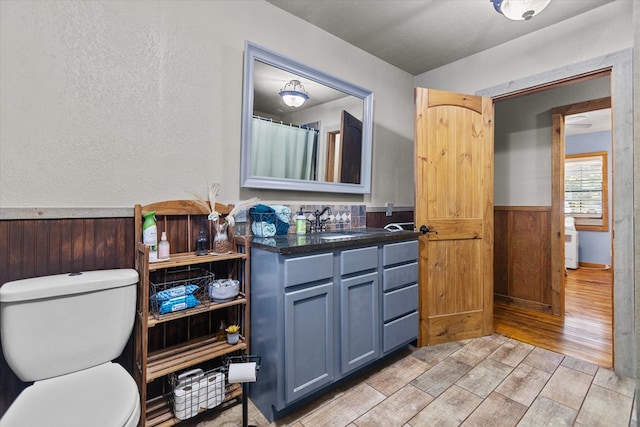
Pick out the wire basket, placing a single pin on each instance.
(177, 290)
(195, 390)
(267, 225)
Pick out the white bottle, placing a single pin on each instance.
(163, 247)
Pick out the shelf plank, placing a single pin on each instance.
(202, 308)
(180, 357)
(190, 258)
(184, 207)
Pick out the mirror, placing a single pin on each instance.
(323, 145)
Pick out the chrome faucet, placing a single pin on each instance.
(318, 224)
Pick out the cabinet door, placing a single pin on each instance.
(360, 321)
(309, 343)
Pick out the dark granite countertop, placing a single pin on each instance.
(290, 244)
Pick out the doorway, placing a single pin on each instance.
(619, 66)
(529, 193)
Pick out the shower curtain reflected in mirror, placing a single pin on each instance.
(283, 151)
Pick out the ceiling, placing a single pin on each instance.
(420, 35)
(588, 122)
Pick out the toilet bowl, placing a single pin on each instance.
(62, 332)
(102, 396)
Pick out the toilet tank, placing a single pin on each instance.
(54, 325)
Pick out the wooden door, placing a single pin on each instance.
(454, 210)
(351, 157)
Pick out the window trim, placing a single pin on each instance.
(593, 224)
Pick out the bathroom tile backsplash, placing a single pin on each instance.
(341, 217)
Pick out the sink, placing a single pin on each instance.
(333, 237)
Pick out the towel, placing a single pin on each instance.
(263, 213)
(282, 212)
(276, 216)
(263, 229)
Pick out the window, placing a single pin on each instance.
(585, 190)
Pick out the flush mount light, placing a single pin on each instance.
(520, 10)
(577, 121)
(293, 94)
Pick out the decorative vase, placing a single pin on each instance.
(233, 338)
(221, 240)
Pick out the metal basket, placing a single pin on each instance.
(194, 391)
(178, 290)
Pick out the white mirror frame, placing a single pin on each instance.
(254, 53)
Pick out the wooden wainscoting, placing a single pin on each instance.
(33, 248)
(522, 255)
(380, 219)
(585, 332)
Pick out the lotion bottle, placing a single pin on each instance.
(163, 247)
(301, 223)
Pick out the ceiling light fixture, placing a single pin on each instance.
(520, 10)
(576, 121)
(293, 94)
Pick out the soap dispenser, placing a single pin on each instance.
(301, 223)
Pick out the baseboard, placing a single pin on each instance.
(521, 303)
(595, 265)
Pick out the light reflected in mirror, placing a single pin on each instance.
(322, 145)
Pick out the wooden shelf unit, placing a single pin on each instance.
(167, 344)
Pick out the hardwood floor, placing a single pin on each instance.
(586, 332)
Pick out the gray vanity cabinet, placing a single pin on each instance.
(399, 294)
(360, 313)
(308, 324)
(316, 317)
(308, 342)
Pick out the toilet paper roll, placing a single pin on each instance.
(242, 372)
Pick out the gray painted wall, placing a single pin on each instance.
(594, 246)
(522, 141)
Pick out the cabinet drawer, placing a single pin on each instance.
(401, 275)
(395, 253)
(400, 331)
(308, 269)
(361, 259)
(399, 302)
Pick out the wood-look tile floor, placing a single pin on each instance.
(490, 381)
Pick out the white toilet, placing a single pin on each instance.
(62, 332)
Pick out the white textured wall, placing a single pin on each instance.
(111, 103)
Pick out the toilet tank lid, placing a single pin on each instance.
(66, 284)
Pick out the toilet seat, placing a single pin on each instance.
(102, 396)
